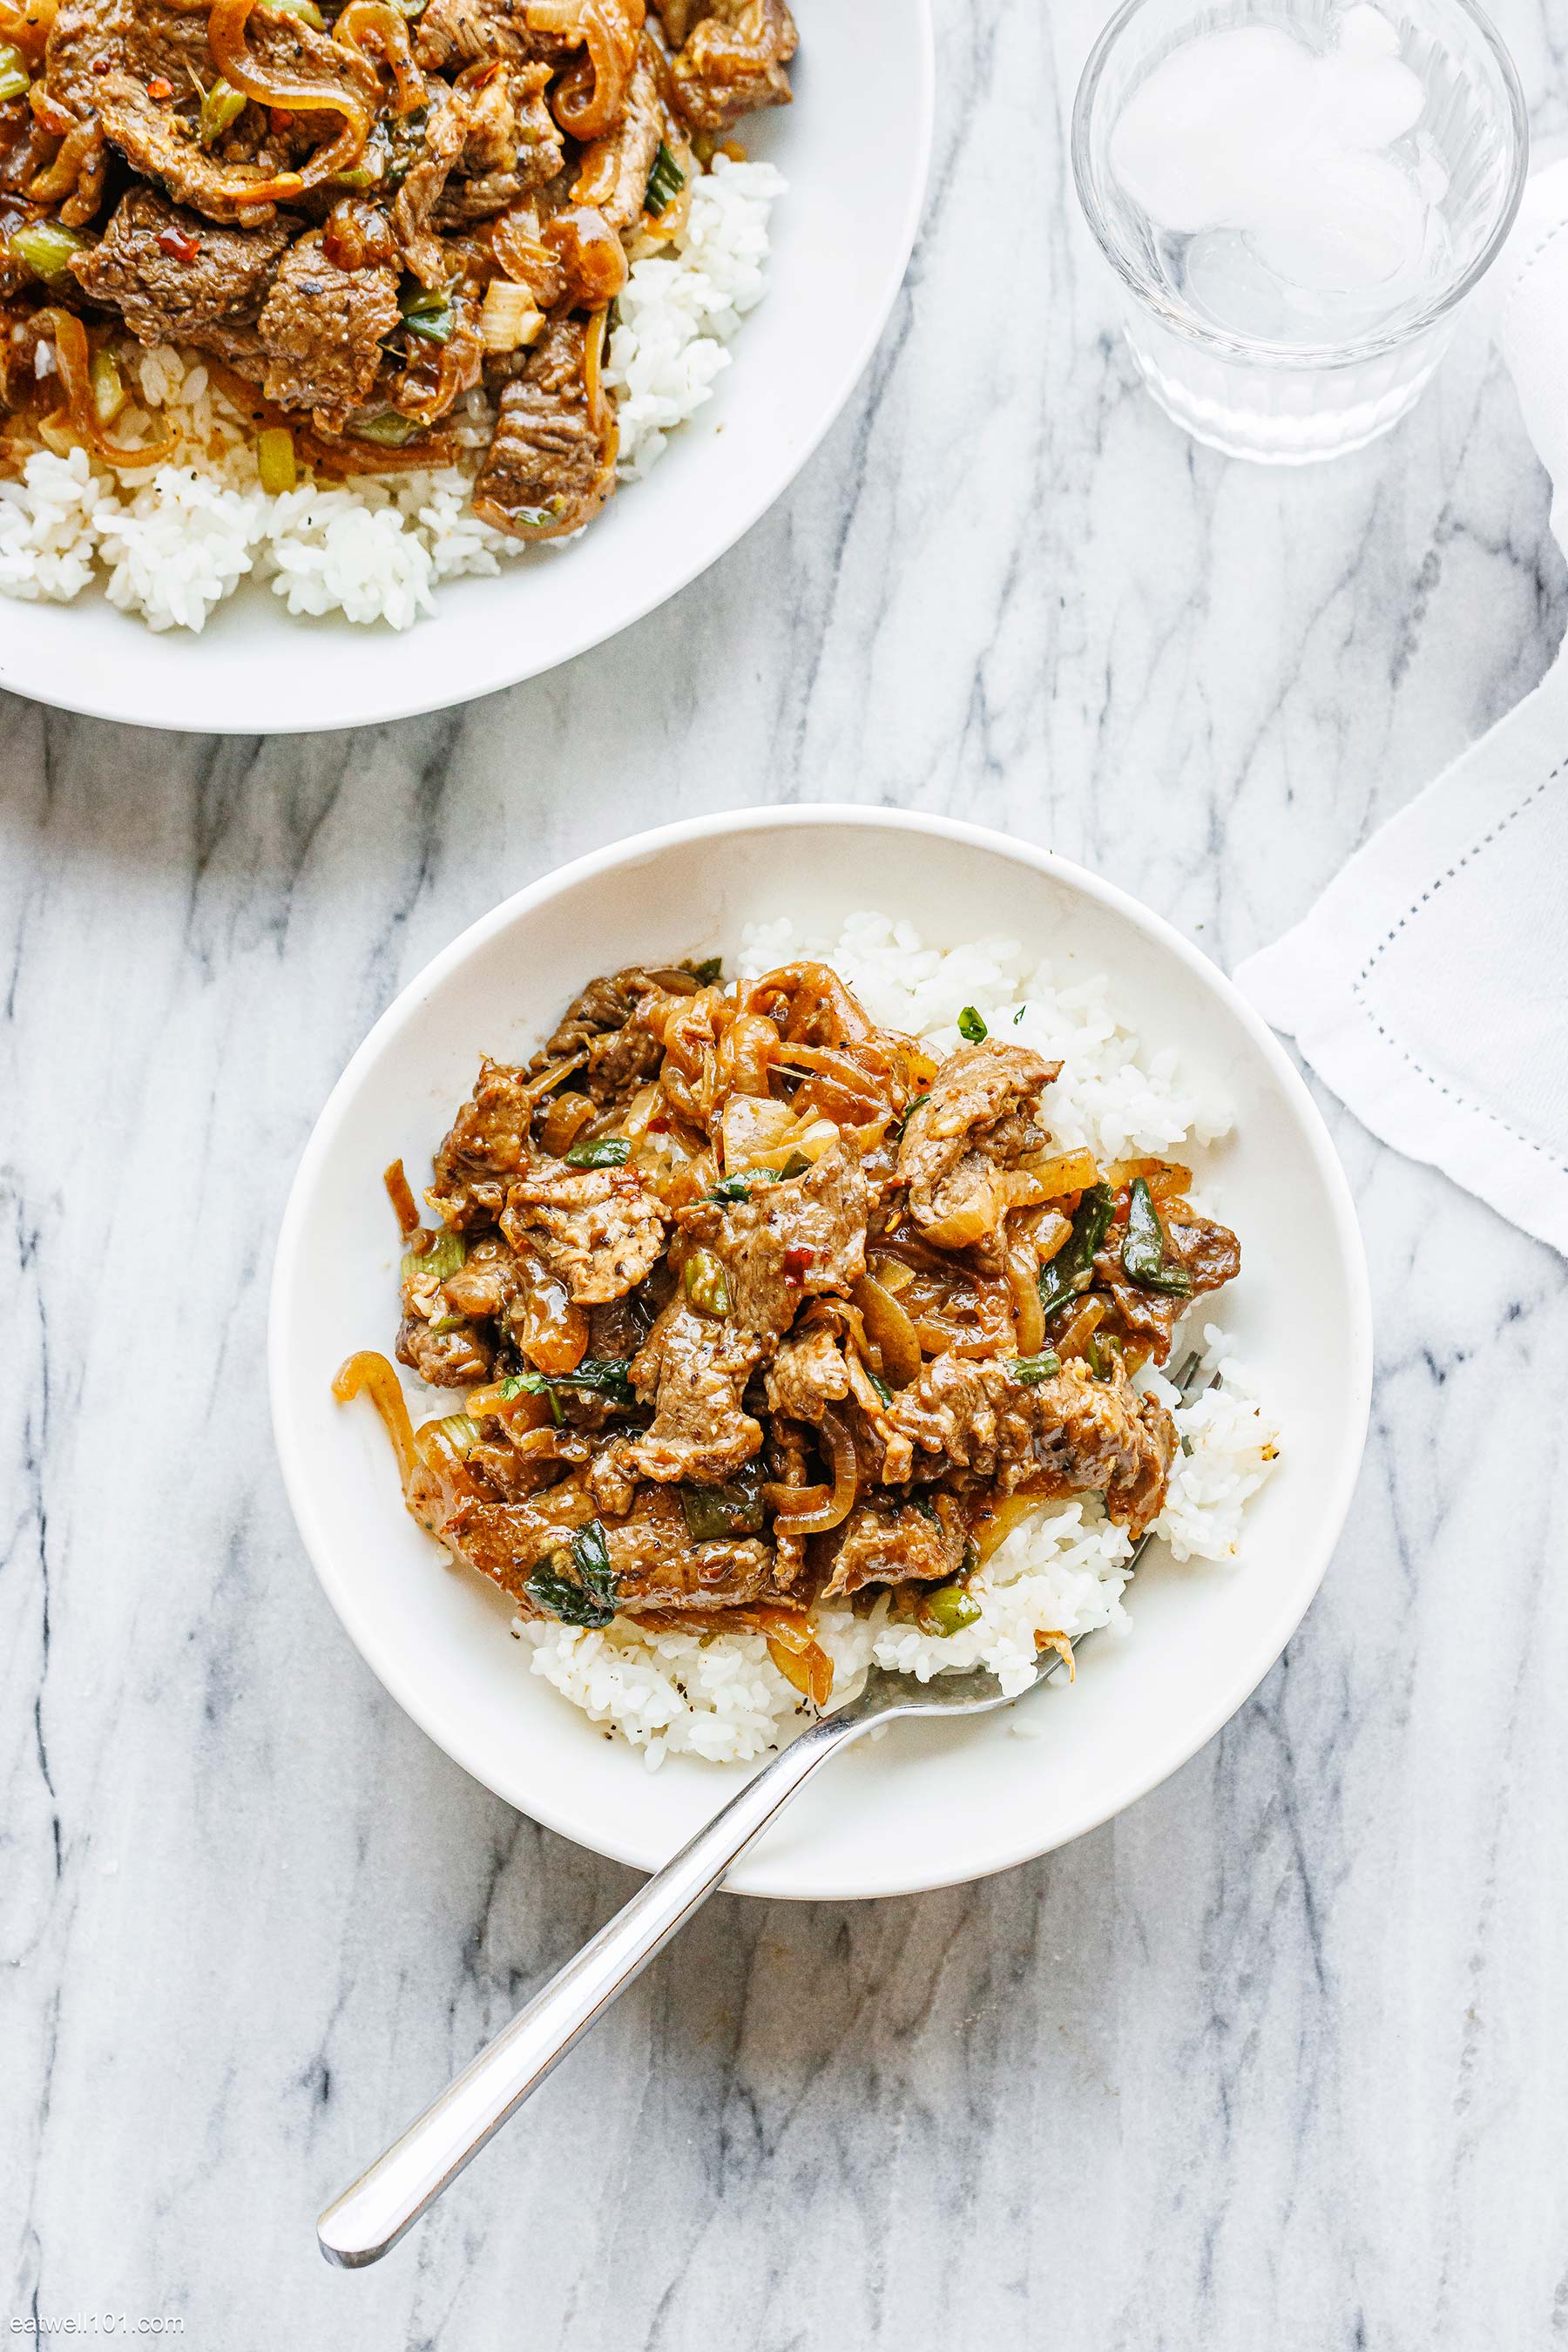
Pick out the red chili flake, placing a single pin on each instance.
(160, 87)
(280, 118)
(660, 1126)
(99, 66)
(177, 245)
(797, 1261)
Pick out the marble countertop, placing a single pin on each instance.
(1274, 2060)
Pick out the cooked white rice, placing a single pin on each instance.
(171, 541)
(720, 1697)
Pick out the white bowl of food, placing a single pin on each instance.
(1016, 1117)
(190, 585)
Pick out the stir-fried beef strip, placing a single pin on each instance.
(213, 301)
(758, 1305)
(321, 328)
(602, 1230)
(366, 212)
(694, 1371)
(732, 57)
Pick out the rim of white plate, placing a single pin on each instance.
(1116, 1794)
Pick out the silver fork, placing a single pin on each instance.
(368, 2219)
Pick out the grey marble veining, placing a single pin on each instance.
(1275, 2060)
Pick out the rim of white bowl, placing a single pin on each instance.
(359, 1622)
(496, 675)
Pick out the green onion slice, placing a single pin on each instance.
(577, 1584)
(1072, 1268)
(1146, 1252)
(707, 1283)
(446, 1255)
(952, 1608)
(602, 1151)
(665, 182)
(45, 247)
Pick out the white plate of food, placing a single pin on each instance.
(754, 302)
(992, 1126)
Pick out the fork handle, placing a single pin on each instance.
(369, 2219)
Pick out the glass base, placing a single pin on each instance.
(1280, 415)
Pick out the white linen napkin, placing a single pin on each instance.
(1429, 987)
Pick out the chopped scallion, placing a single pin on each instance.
(108, 387)
(220, 106)
(390, 431)
(461, 1431)
(602, 1376)
(601, 1151)
(707, 1283)
(275, 465)
(665, 182)
(971, 1026)
(432, 316)
(45, 247)
(578, 1586)
(951, 1608)
(445, 1254)
(1072, 1268)
(716, 1513)
(1145, 1253)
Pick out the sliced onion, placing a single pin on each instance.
(588, 99)
(564, 1120)
(241, 70)
(520, 1413)
(80, 144)
(549, 1079)
(890, 1331)
(963, 1227)
(797, 1655)
(750, 1126)
(400, 1192)
(388, 26)
(790, 1503)
(1076, 1338)
(1023, 1279)
(814, 1138)
(836, 1076)
(601, 412)
(997, 1521)
(813, 993)
(746, 1054)
(1061, 1646)
(550, 1331)
(1048, 1234)
(369, 1372)
(840, 1497)
(73, 357)
(1064, 1172)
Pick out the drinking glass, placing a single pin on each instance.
(1289, 397)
